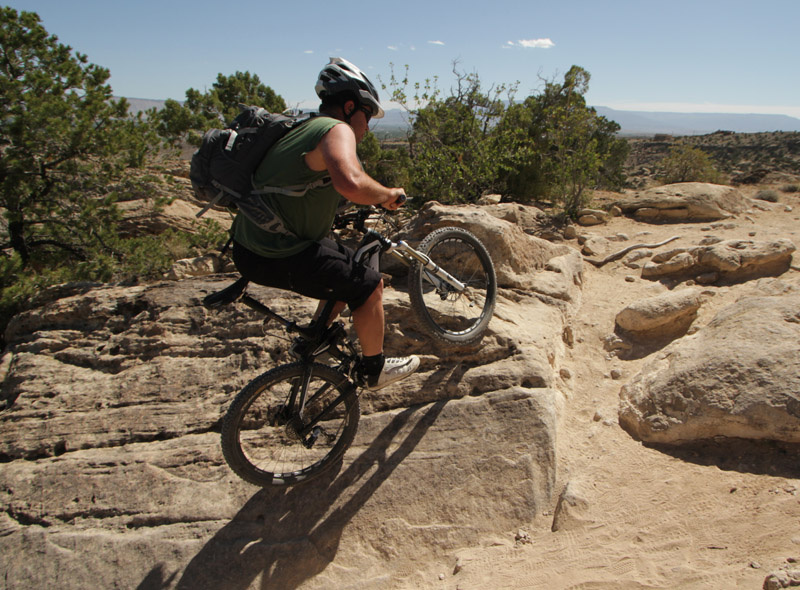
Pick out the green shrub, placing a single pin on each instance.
(685, 163)
(791, 188)
(767, 195)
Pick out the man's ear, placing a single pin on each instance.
(349, 108)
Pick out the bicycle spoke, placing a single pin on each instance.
(267, 442)
(455, 315)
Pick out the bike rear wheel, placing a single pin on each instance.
(267, 443)
(449, 314)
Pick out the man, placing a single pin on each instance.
(305, 260)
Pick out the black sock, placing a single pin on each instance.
(372, 365)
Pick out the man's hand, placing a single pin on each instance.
(398, 197)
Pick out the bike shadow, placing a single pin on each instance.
(288, 536)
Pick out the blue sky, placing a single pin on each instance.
(665, 55)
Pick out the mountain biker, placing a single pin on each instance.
(308, 262)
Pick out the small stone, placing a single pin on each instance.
(616, 374)
(522, 537)
(707, 278)
(589, 220)
(458, 567)
(612, 342)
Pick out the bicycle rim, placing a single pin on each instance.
(262, 440)
(451, 315)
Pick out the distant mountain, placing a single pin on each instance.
(651, 123)
(143, 104)
(641, 123)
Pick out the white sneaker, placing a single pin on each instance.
(394, 369)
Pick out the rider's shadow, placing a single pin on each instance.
(289, 535)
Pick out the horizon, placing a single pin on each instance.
(717, 56)
(311, 105)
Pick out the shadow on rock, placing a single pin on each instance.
(759, 457)
(288, 536)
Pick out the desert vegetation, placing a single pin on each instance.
(72, 156)
(629, 420)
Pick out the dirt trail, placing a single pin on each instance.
(721, 516)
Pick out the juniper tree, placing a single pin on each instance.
(64, 141)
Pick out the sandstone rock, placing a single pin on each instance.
(143, 217)
(194, 267)
(782, 579)
(685, 202)
(667, 314)
(527, 218)
(521, 260)
(633, 259)
(164, 508)
(110, 448)
(595, 245)
(731, 260)
(492, 199)
(572, 507)
(589, 220)
(737, 377)
(682, 263)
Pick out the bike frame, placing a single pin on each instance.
(320, 337)
(374, 242)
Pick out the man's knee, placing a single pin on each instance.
(377, 294)
(375, 298)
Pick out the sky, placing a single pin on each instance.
(722, 56)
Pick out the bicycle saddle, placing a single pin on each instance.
(228, 295)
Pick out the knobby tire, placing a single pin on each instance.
(450, 316)
(260, 443)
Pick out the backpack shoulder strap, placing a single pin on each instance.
(299, 190)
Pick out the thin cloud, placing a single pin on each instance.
(436, 42)
(532, 43)
(392, 47)
(308, 52)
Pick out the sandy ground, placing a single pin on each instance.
(722, 515)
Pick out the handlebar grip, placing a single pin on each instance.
(402, 199)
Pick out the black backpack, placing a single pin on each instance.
(222, 168)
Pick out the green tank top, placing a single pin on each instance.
(311, 216)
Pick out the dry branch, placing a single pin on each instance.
(624, 251)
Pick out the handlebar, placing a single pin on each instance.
(359, 217)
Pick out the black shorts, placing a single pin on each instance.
(325, 270)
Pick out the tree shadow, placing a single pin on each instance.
(289, 535)
(759, 457)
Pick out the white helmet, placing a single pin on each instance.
(342, 76)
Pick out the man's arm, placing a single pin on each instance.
(336, 153)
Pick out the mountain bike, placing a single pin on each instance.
(294, 422)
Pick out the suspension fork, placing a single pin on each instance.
(442, 280)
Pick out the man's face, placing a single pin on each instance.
(359, 120)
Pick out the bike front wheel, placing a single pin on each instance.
(268, 440)
(451, 313)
